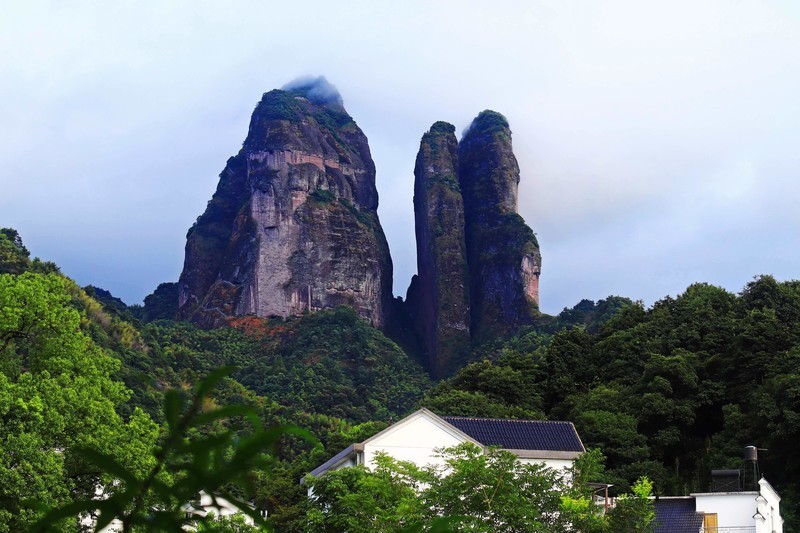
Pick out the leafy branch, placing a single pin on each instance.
(210, 461)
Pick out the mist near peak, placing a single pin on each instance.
(316, 88)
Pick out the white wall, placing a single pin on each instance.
(760, 510)
(769, 509)
(733, 509)
(415, 440)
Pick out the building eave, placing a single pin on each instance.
(348, 453)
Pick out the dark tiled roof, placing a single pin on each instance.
(677, 516)
(520, 434)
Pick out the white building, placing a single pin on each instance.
(750, 511)
(417, 437)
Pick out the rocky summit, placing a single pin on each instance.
(293, 228)
(502, 251)
(293, 225)
(478, 263)
(439, 295)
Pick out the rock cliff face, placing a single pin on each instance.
(478, 263)
(502, 251)
(293, 225)
(440, 293)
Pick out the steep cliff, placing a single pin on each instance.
(439, 299)
(502, 251)
(293, 225)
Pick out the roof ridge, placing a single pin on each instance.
(506, 419)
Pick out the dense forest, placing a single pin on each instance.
(668, 392)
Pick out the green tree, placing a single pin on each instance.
(356, 499)
(15, 257)
(615, 433)
(569, 367)
(473, 490)
(13, 254)
(235, 523)
(634, 513)
(457, 402)
(494, 491)
(198, 454)
(578, 507)
(56, 396)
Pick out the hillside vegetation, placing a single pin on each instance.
(672, 391)
(669, 391)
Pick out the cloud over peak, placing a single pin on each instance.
(316, 88)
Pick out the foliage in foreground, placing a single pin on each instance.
(66, 448)
(483, 492)
(57, 396)
(197, 460)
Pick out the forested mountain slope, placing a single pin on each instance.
(115, 370)
(670, 391)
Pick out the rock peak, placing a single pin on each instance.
(442, 128)
(487, 121)
(502, 251)
(440, 297)
(478, 263)
(293, 226)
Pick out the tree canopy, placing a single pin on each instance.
(474, 491)
(667, 392)
(56, 396)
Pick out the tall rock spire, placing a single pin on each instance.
(293, 225)
(441, 301)
(502, 251)
(478, 263)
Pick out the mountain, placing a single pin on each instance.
(293, 225)
(478, 263)
(293, 228)
(439, 293)
(502, 251)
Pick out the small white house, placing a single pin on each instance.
(757, 509)
(417, 437)
(737, 511)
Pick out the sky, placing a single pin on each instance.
(658, 142)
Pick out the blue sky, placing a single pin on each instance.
(658, 142)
